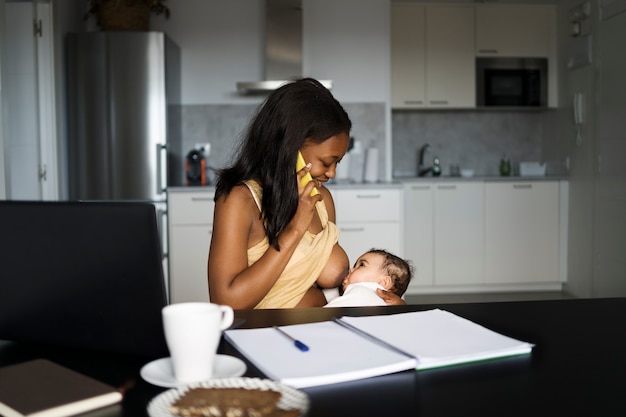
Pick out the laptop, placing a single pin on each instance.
(84, 275)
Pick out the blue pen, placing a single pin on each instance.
(296, 342)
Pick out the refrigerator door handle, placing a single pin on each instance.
(161, 168)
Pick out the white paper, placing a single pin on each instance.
(335, 354)
(439, 338)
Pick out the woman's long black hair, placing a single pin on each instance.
(295, 112)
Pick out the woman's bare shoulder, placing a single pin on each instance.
(237, 216)
(238, 204)
(238, 195)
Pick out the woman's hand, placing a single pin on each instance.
(306, 204)
(390, 298)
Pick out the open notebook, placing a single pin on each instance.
(359, 347)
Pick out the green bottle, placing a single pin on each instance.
(505, 166)
(436, 167)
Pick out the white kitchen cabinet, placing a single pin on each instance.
(190, 228)
(522, 232)
(515, 30)
(432, 56)
(444, 234)
(419, 232)
(408, 55)
(450, 60)
(459, 233)
(369, 217)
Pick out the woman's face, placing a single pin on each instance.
(324, 156)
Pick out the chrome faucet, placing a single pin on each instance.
(421, 169)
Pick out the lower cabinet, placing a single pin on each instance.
(444, 233)
(419, 220)
(369, 217)
(482, 235)
(522, 232)
(459, 233)
(190, 228)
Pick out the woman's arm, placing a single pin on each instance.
(231, 281)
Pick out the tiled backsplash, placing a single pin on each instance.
(470, 139)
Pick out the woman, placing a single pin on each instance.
(274, 242)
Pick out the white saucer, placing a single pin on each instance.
(161, 373)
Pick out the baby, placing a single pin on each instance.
(376, 268)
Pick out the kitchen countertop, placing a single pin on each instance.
(372, 185)
(190, 188)
(397, 182)
(482, 178)
(338, 185)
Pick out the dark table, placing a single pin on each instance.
(578, 367)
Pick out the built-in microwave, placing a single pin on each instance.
(511, 82)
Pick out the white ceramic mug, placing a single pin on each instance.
(192, 332)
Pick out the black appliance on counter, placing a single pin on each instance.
(195, 167)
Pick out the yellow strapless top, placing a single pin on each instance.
(306, 263)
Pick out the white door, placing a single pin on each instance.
(28, 123)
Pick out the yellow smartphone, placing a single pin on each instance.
(307, 177)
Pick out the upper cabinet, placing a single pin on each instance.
(515, 30)
(434, 49)
(450, 68)
(408, 55)
(432, 56)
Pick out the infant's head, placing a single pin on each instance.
(377, 265)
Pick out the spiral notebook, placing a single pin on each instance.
(353, 348)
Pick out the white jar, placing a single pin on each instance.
(357, 162)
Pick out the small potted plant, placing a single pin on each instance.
(125, 14)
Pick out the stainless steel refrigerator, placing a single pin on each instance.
(121, 89)
(120, 85)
